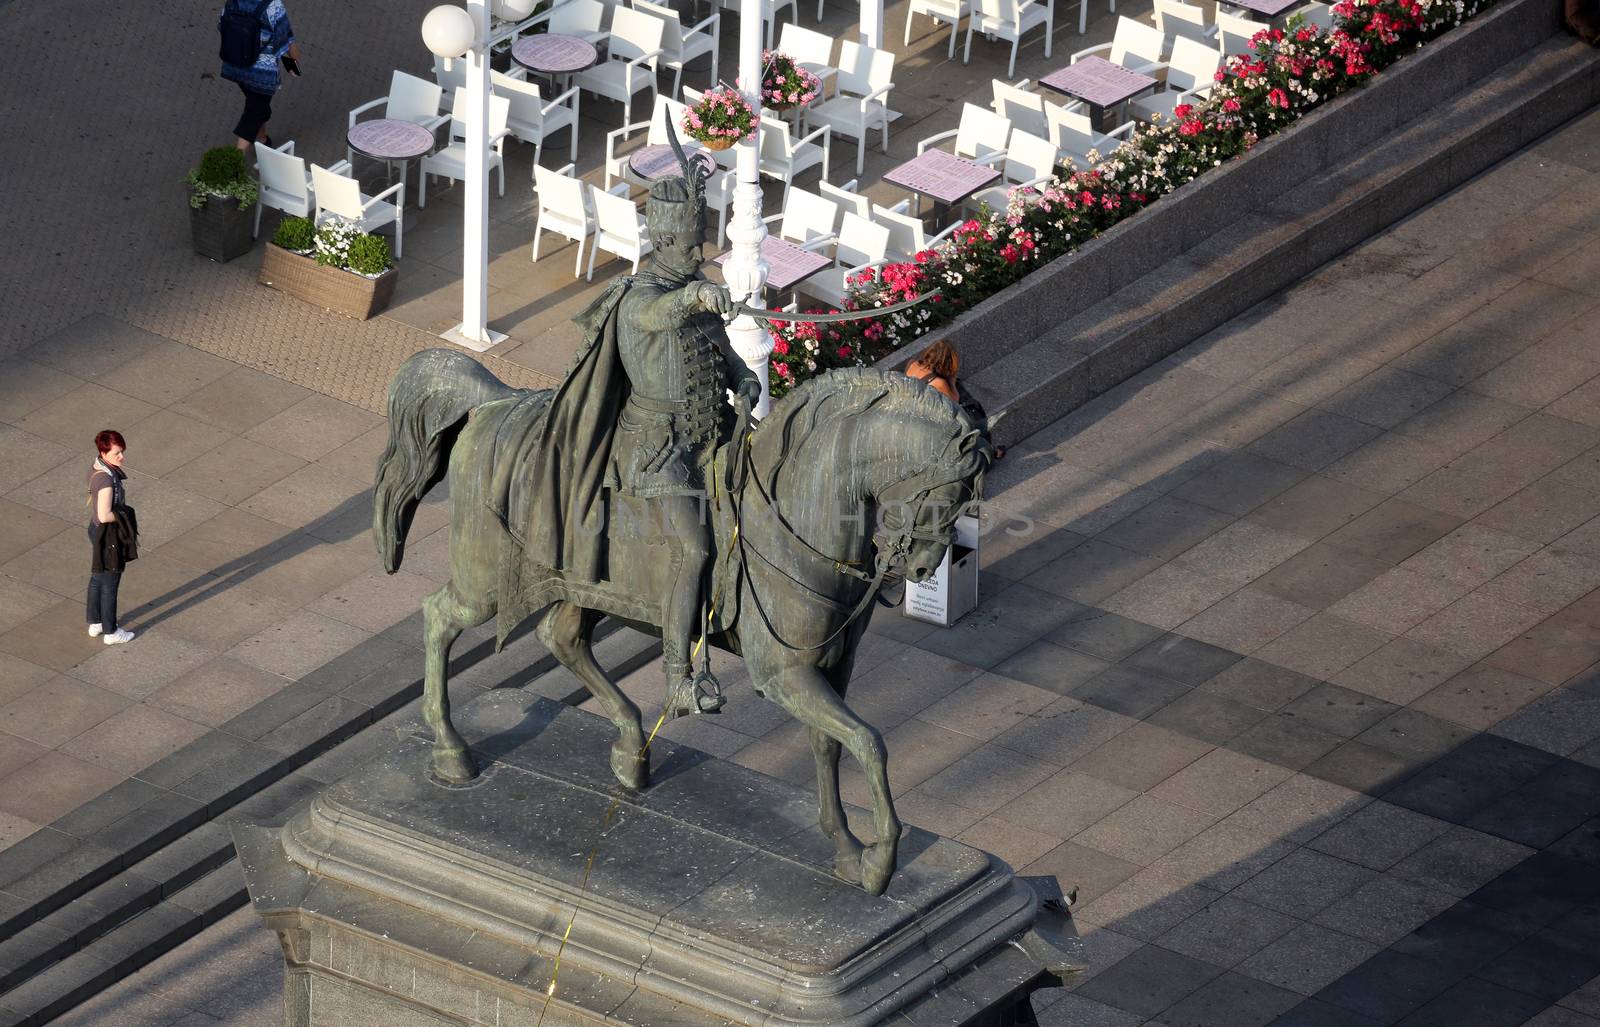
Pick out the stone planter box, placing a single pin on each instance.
(331, 288)
(1336, 132)
(221, 229)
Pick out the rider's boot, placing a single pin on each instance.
(688, 693)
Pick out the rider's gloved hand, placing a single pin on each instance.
(714, 299)
(749, 389)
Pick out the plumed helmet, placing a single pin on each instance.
(677, 204)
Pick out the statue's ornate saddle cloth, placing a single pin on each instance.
(527, 583)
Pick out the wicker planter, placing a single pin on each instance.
(221, 229)
(331, 288)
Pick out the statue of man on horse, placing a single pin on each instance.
(645, 407)
(853, 480)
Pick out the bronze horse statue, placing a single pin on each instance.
(854, 479)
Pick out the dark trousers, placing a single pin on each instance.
(101, 607)
(257, 112)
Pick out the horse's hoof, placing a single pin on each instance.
(454, 766)
(632, 769)
(847, 868)
(877, 866)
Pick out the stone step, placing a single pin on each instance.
(1304, 227)
(121, 906)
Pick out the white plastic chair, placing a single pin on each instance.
(681, 45)
(769, 13)
(410, 99)
(530, 117)
(1134, 45)
(1234, 33)
(664, 111)
(1189, 75)
(585, 19)
(1073, 135)
(618, 228)
(948, 11)
(1019, 105)
(451, 162)
(808, 220)
(849, 200)
(862, 244)
(861, 105)
(563, 206)
(449, 73)
(285, 184)
(341, 195)
(1176, 19)
(785, 157)
(1009, 19)
(1030, 161)
(981, 135)
(635, 49)
(813, 51)
(907, 236)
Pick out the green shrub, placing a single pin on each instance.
(223, 173)
(368, 255)
(297, 234)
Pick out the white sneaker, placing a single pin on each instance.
(119, 635)
(94, 630)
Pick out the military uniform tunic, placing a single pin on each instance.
(677, 361)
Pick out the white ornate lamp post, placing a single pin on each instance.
(745, 271)
(463, 33)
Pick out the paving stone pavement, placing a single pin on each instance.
(1295, 675)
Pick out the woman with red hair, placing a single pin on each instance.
(113, 536)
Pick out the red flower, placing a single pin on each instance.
(780, 347)
(1278, 98)
(844, 352)
(1192, 127)
(1182, 110)
(1230, 104)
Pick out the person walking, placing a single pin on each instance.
(113, 537)
(256, 36)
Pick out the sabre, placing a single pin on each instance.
(769, 316)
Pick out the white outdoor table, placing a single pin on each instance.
(1270, 10)
(654, 161)
(787, 264)
(550, 53)
(944, 176)
(392, 140)
(1100, 83)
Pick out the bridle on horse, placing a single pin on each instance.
(890, 546)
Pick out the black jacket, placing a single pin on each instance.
(116, 544)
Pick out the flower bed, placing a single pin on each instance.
(1286, 74)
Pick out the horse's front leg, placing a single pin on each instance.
(567, 631)
(847, 857)
(445, 615)
(807, 695)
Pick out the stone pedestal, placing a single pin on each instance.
(710, 898)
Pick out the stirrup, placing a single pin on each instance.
(699, 694)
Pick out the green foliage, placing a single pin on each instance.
(222, 173)
(369, 255)
(297, 234)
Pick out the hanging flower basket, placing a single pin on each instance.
(784, 84)
(720, 119)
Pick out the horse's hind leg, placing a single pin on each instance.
(445, 615)
(567, 631)
(847, 858)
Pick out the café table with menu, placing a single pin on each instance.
(1099, 83)
(787, 264)
(944, 176)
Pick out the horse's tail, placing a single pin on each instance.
(429, 400)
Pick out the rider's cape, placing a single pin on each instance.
(559, 454)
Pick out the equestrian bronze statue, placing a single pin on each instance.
(634, 491)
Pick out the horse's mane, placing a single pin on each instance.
(845, 392)
(859, 386)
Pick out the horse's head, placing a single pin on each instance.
(917, 514)
(895, 449)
